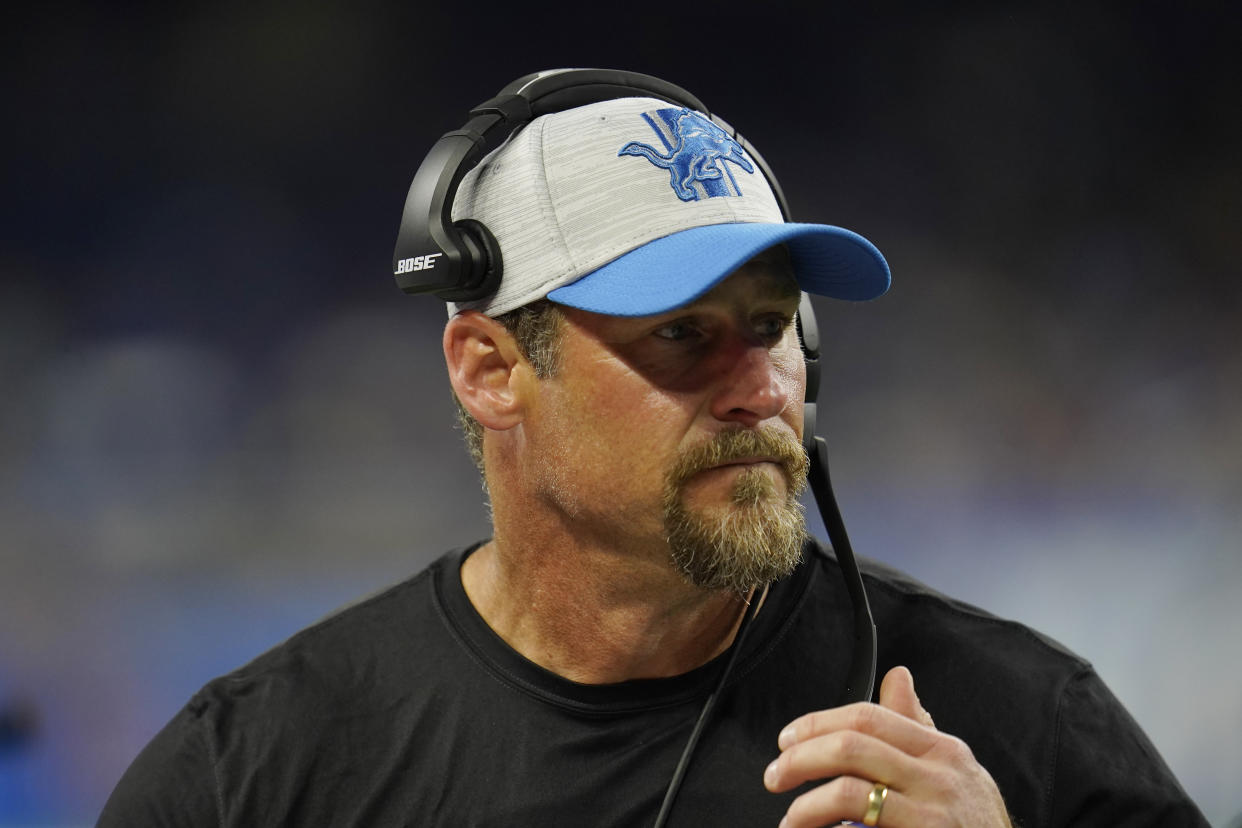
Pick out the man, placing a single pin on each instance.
(649, 636)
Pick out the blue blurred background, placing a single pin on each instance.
(221, 419)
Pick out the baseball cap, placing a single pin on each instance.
(634, 206)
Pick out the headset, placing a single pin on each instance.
(462, 261)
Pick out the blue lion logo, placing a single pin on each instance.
(695, 157)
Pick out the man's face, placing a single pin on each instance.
(682, 431)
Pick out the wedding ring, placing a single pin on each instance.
(875, 804)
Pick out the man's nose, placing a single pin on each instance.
(752, 388)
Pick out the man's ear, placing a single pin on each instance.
(483, 361)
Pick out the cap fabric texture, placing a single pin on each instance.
(633, 207)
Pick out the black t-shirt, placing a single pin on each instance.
(407, 710)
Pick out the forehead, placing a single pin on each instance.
(770, 273)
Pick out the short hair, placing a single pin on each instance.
(536, 328)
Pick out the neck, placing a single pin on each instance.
(596, 615)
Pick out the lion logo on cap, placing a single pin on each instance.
(696, 146)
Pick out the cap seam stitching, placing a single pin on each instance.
(547, 189)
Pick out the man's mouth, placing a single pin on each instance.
(742, 451)
(745, 461)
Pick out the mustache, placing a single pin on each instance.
(740, 444)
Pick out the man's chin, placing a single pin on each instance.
(734, 546)
(732, 523)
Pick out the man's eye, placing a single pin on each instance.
(677, 331)
(771, 327)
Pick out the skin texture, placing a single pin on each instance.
(933, 777)
(578, 578)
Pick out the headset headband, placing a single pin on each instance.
(461, 261)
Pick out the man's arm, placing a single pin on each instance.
(1107, 771)
(171, 783)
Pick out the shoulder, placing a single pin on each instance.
(365, 655)
(991, 680)
(335, 659)
(973, 665)
(910, 613)
(238, 751)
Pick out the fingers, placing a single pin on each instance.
(931, 777)
(846, 797)
(887, 725)
(897, 693)
(840, 753)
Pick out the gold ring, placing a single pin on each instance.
(875, 803)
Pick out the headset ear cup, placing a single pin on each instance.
(486, 264)
(808, 337)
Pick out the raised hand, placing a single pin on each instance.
(885, 764)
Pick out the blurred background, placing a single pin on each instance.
(221, 419)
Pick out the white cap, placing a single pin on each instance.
(635, 206)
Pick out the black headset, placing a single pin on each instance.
(461, 261)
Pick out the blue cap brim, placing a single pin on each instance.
(677, 269)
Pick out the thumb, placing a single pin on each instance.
(897, 694)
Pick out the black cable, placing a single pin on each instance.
(861, 682)
(705, 714)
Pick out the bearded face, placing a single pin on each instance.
(756, 537)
